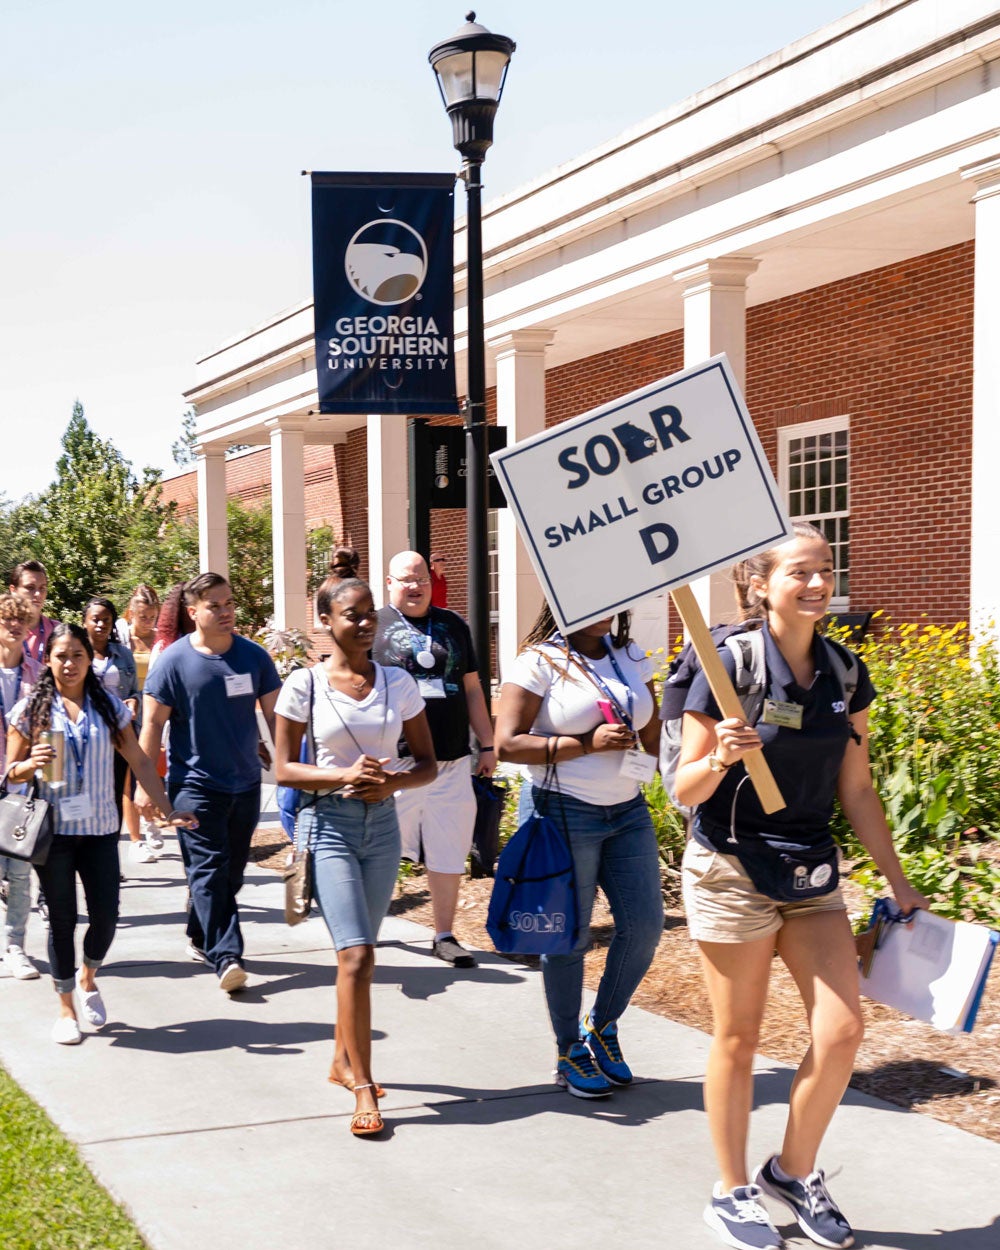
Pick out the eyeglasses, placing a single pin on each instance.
(411, 583)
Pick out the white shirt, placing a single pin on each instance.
(569, 706)
(376, 721)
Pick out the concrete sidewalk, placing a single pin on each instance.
(211, 1120)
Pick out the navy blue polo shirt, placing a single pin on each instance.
(805, 762)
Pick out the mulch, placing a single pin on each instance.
(902, 1061)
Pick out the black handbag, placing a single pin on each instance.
(25, 824)
(490, 796)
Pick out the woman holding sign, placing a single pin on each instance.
(67, 732)
(756, 883)
(587, 703)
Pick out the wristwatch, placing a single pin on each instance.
(716, 765)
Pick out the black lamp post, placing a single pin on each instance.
(471, 68)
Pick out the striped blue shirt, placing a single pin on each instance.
(89, 767)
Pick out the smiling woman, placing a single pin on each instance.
(354, 712)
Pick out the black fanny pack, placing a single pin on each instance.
(788, 871)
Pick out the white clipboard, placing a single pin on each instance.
(930, 968)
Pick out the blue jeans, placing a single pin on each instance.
(18, 874)
(215, 858)
(355, 853)
(615, 848)
(95, 861)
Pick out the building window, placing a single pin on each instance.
(814, 473)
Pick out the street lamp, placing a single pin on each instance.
(471, 68)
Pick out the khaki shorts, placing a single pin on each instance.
(438, 819)
(724, 905)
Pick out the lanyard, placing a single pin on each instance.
(3, 706)
(601, 684)
(40, 643)
(424, 656)
(79, 750)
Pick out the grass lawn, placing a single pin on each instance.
(48, 1198)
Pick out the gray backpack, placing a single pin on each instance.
(749, 681)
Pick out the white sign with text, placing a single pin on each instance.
(646, 493)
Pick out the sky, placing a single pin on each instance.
(151, 203)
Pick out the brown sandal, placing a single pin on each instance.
(367, 1123)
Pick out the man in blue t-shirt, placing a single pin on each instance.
(207, 687)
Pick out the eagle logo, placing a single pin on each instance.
(386, 262)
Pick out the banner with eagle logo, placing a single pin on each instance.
(383, 290)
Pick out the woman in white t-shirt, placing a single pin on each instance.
(587, 704)
(354, 712)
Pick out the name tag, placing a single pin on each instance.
(787, 715)
(238, 684)
(638, 766)
(431, 687)
(76, 807)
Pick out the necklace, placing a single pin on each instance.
(360, 682)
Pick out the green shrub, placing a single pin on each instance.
(935, 754)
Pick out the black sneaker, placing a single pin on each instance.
(740, 1220)
(453, 953)
(810, 1203)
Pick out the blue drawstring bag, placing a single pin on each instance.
(288, 799)
(533, 908)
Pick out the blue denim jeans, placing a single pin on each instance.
(355, 853)
(215, 858)
(615, 848)
(18, 874)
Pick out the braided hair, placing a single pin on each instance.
(39, 709)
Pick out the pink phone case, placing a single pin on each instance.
(608, 712)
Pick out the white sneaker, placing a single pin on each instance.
(91, 1005)
(19, 965)
(232, 978)
(195, 953)
(152, 836)
(142, 853)
(66, 1032)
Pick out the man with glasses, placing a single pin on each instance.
(436, 821)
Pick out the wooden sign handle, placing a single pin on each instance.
(725, 695)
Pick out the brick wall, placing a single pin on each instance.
(893, 350)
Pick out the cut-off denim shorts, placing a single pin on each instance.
(355, 854)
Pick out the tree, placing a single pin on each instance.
(251, 564)
(160, 548)
(183, 450)
(83, 518)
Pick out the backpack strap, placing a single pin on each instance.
(750, 678)
(845, 665)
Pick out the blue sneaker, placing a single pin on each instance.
(606, 1051)
(740, 1220)
(810, 1203)
(577, 1072)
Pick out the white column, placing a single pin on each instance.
(714, 322)
(213, 531)
(388, 531)
(288, 522)
(520, 362)
(984, 564)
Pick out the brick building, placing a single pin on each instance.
(829, 217)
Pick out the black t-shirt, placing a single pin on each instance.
(805, 762)
(400, 639)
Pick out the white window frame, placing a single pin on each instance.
(806, 429)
